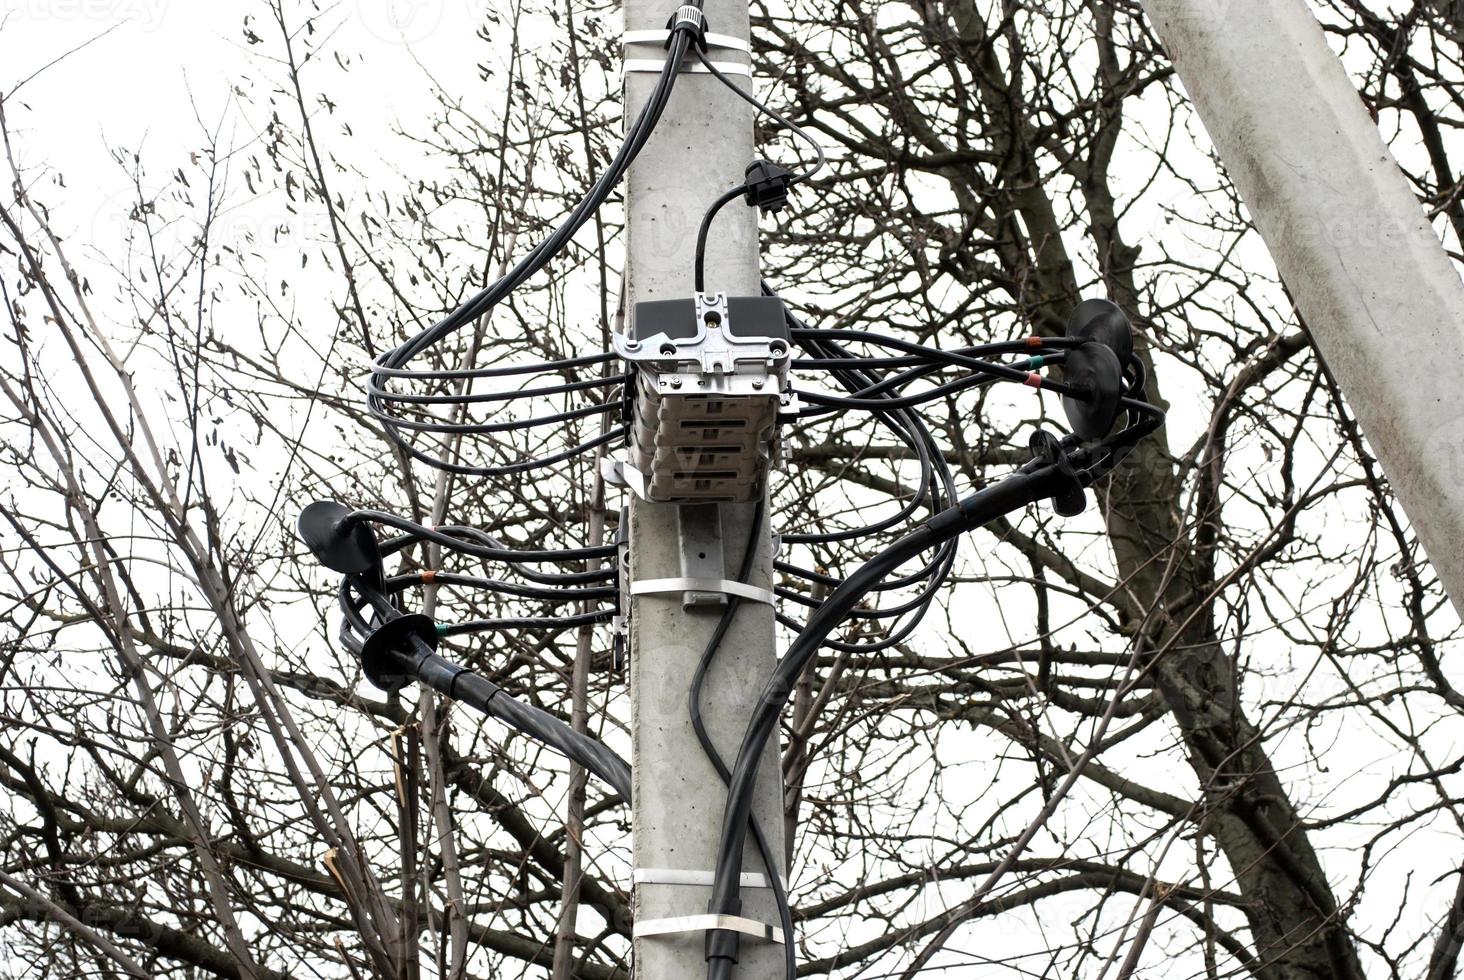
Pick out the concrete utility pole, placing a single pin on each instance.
(1383, 301)
(699, 151)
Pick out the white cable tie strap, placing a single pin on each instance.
(703, 923)
(647, 66)
(676, 876)
(662, 586)
(726, 41)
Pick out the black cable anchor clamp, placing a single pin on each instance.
(389, 657)
(338, 543)
(388, 652)
(767, 186)
(1096, 367)
(1071, 500)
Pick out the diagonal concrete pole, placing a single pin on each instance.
(1384, 304)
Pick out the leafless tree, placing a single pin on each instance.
(1208, 727)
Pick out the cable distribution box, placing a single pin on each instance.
(710, 377)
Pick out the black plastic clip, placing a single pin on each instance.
(1071, 500)
(692, 19)
(767, 186)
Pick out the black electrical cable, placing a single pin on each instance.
(939, 568)
(399, 583)
(910, 429)
(450, 537)
(866, 393)
(582, 577)
(491, 552)
(916, 608)
(912, 360)
(424, 665)
(704, 738)
(762, 107)
(894, 382)
(995, 369)
(359, 625)
(929, 362)
(539, 463)
(957, 357)
(394, 361)
(539, 256)
(886, 641)
(528, 623)
(479, 398)
(1075, 465)
(462, 684)
(736, 192)
(1027, 486)
(1048, 351)
(922, 489)
(900, 425)
(859, 379)
(492, 428)
(891, 612)
(888, 585)
(905, 424)
(700, 263)
(830, 404)
(353, 624)
(470, 374)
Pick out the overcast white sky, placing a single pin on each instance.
(152, 69)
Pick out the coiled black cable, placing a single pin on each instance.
(936, 488)
(393, 363)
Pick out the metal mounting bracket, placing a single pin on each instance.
(619, 473)
(620, 623)
(699, 527)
